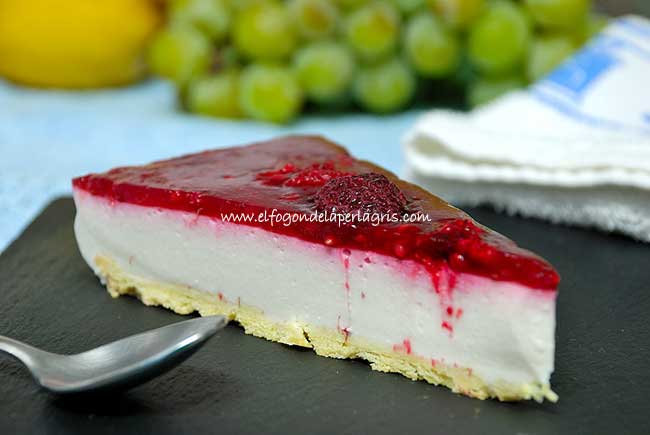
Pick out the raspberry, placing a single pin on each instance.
(365, 193)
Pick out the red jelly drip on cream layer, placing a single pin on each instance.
(308, 174)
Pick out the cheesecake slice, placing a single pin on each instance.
(305, 245)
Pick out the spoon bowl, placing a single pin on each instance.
(119, 365)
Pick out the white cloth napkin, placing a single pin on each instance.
(573, 148)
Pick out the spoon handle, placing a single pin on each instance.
(27, 354)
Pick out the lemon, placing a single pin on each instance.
(75, 43)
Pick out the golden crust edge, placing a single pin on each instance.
(325, 342)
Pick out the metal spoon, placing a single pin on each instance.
(121, 364)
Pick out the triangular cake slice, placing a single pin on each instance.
(305, 245)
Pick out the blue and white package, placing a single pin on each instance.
(607, 83)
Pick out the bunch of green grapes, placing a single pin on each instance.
(270, 59)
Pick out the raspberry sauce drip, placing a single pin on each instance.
(304, 174)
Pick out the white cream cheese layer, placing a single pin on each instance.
(502, 331)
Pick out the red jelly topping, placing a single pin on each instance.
(299, 174)
(316, 174)
(365, 193)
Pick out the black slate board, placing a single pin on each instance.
(241, 384)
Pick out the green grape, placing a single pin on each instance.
(593, 24)
(385, 87)
(238, 5)
(372, 31)
(313, 18)
(179, 54)
(408, 7)
(263, 31)
(216, 95)
(212, 17)
(498, 41)
(348, 5)
(558, 14)
(269, 93)
(546, 53)
(487, 89)
(432, 49)
(324, 70)
(458, 13)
